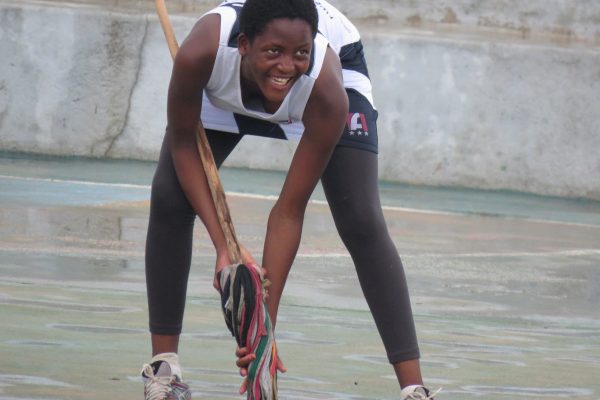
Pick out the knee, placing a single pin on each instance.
(168, 199)
(358, 225)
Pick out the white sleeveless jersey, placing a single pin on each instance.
(222, 106)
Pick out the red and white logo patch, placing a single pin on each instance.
(357, 124)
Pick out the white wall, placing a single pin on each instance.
(498, 94)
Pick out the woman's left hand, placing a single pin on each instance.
(244, 359)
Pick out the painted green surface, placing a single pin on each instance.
(505, 301)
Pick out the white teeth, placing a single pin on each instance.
(280, 81)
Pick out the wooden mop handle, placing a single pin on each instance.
(165, 23)
(210, 168)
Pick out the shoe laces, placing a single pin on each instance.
(157, 387)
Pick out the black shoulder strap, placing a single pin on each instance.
(235, 30)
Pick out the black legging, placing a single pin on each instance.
(351, 188)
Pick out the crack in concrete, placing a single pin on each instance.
(3, 102)
(116, 137)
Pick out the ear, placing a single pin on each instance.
(243, 44)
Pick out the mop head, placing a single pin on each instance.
(245, 311)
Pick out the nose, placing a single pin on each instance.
(286, 64)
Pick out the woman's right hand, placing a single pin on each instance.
(223, 261)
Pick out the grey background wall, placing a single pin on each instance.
(501, 94)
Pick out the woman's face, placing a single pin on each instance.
(275, 59)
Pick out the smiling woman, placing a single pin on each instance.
(273, 61)
(282, 69)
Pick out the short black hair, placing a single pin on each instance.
(256, 14)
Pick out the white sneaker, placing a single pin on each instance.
(162, 379)
(417, 392)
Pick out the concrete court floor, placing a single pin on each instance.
(505, 289)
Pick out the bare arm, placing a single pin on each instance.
(191, 72)
(324, 121)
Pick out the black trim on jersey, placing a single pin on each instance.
(312, 60)
(352, 58)
(235, 30)
(257, 127)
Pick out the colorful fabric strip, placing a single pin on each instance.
(247, 318)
